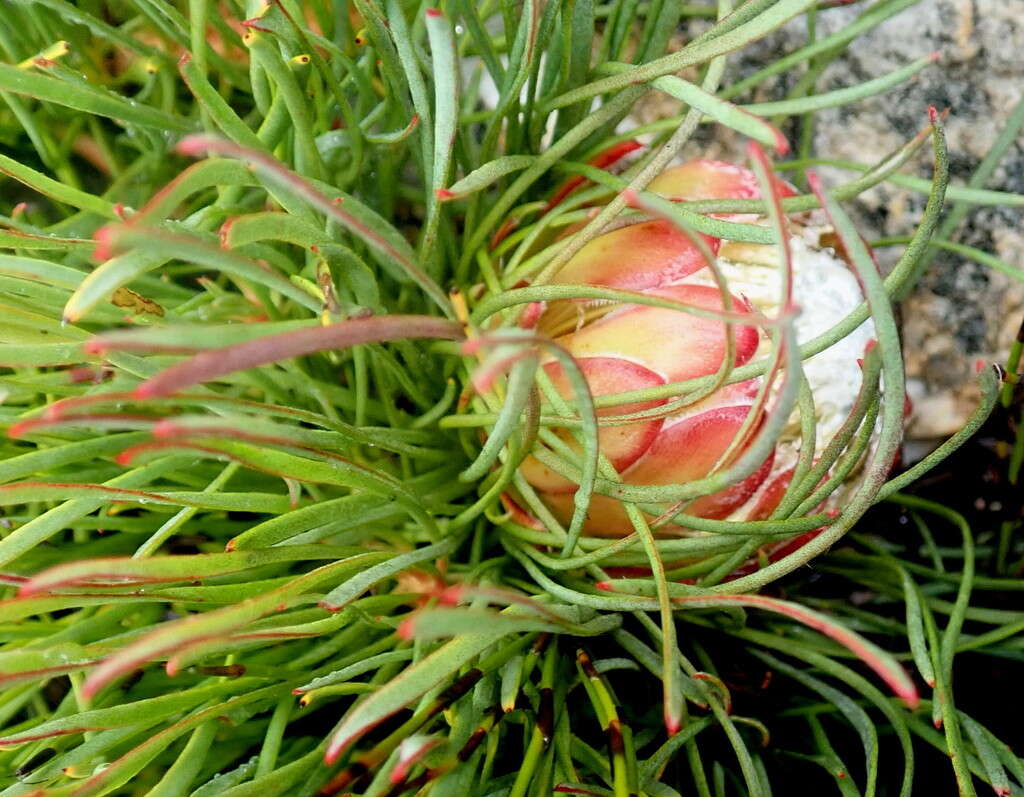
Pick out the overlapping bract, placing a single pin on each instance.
(627, 347)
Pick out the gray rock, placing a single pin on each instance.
(961, 312)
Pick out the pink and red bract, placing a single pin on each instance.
(630, 347)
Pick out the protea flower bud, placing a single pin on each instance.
(630, 347)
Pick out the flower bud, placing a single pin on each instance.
(623, 347)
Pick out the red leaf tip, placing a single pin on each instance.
(89, 690)
(434, 12)
(17, 430)
(605, 585)
(191, 146)
(406, 630)
(781, 143)
(253, 23)
(164, 428)
(26, 590)
(909, 696)
(225, 231)
(104, 238)
(451, 596)
(444, 194)
(145, 391)
(631, 198)
(933, 114)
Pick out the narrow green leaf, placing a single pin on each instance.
(915, 629)
(989, 756)
(487, 175)
(844, 96)
(172, 568)
(125, 714)
(446, 117)
(83, 97)
(55, 189)
(737, 118)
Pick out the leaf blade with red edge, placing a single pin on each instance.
(883, 664)
(211, 364)
(175, 635)
(171, 568)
